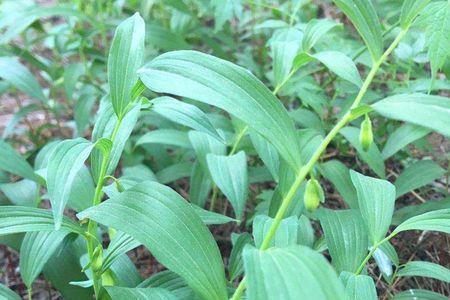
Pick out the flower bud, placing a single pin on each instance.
(97, 259)
(313, 195)
(366, 134)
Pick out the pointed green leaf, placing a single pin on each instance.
(235, 263)
(17, 219)
(346, 238)
(166, 224)
(125, 58)
(170, 137)
(204, 144)
(294, 272)
(410, 10)
(66, 160)
(12, 71)
(104, 127)
(36, 250)
(410, 211)
(364, 17)
(425, 110)
(230, 175)
(199, 185)
(417, 175)
(120, 244)
(340, 64)
(220, 83)
(267, 153)
(184, 114)
(171, 282)
(425, 269)
(376, 200)
(402, 136)
(7, 294)
(438, 220)
(339, 175)
(315, 29)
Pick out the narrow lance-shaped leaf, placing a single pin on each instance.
(7, 294)
(166, 224)
(125, 58)
(267, 153)
(170, 137)
(417, 175)
(184, 114)
(364, 17)
(295, 272)
(402, 136)
(425, 110)
(438, 220)
(205, 144)
(230, 175)
(17, 75)
(35, 251)
(314, 30)
(376, 200)
(16, 219)
(220, 83)
(67, 159)
(425, 269)
(340, 64)
(414, 294)
(410, 10)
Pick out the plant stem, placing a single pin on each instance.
(316, 155)
(92, 225)
(372, 251)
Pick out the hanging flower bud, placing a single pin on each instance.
(366, 134)
(97, 259)
(313, 195)
(108, 278)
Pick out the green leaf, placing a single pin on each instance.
(425, 269)
(36, 250)
(410, 10)
(346, 238)
(125, 272)
(286, 234)
(339, 175)
(360, 287)
(284, 46)
(104, 127)
(418, 294)
(306, 235)
(24, 192)
(174, 172)
(82, 111)
(376, 200)
(17, 219)
(64, 267)
(364, 17)
(402, 136)
(410, 211)
(236, 263)
(199, 185)
(211, 218)
(12, 162)
(204, 144)
(7, 294)
(171, 282)
(314, 30)
(437, 36)
(220, 83)
(71, 74)
(425, 110)
(230, 175)
(125, 58)
(170, 137)
(438, 220)
(294, 272)
(372, 157)
(267, 153)
(118, 293)
(21, 113)
(340, 64)
(67, 159)
(12, 71)
(184, 114)
(417, 175)
(166, 224)
(120, 244)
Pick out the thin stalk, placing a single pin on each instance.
(92, 225)
(372, 251)
(303, 172)
(213, 198)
